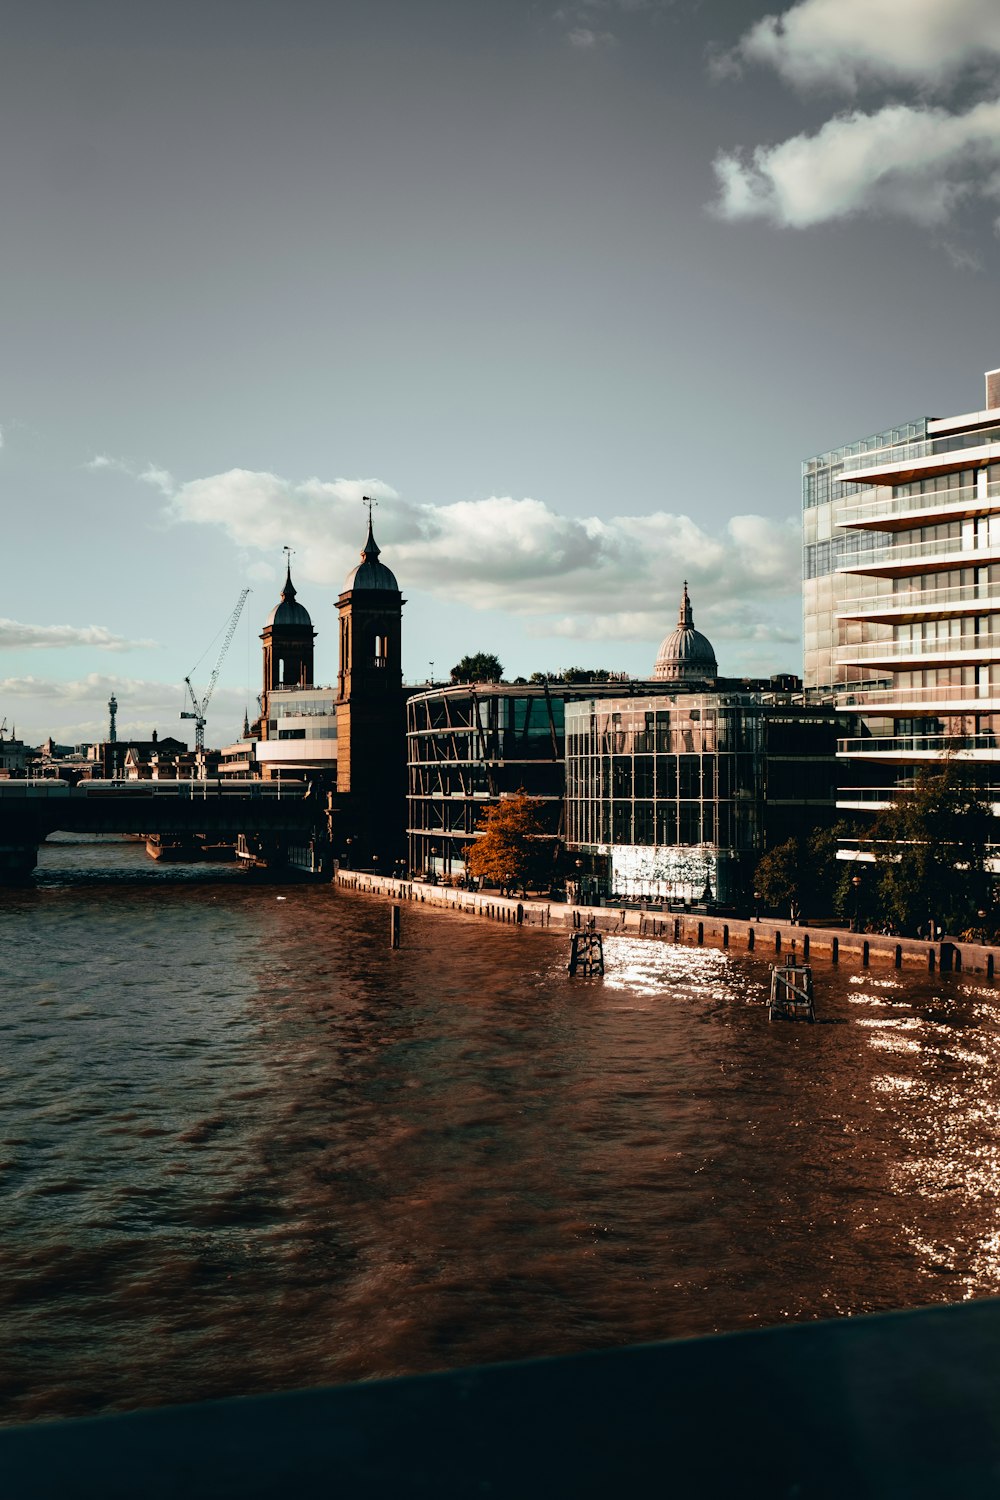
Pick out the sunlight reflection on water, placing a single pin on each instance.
(245, 1145)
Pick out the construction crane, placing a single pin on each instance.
(198, 714)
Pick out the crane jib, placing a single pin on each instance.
(199, 707)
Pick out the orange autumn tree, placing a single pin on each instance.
(512, 850)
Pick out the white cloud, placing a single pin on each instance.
(152, 474)
(15, 635)
(587, 577)
(916, 162)
(76, 712)
(587, 40)
(847, 43)
(160, 479)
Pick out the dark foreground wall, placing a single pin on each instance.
(902, 1406)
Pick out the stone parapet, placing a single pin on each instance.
(766, 938)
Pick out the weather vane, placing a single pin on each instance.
(289, 554)
(369, 501)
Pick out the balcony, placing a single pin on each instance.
(953, 698)
(901, 512)
(919, 655)
(906, 462)
(911, 747)
(902, 559)
(921, 604)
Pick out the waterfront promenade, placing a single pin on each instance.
(767, 937)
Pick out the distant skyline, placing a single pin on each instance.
(571, 288)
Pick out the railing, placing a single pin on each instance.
(917, 744)
(915, 697)
(900, 552)
(884, 650)
(183, 790)
(932, 599)
(877, 458)
(963, 497)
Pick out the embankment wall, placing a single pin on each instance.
(767, 938)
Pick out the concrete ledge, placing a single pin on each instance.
(900, 1406)
(766, 938)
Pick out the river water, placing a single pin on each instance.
(244, 1146)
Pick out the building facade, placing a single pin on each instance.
(669, 791)
(904, 624)
(666, 788)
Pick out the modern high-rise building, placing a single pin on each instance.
(901, 583)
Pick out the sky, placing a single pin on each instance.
(571, 288)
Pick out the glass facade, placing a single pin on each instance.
(907, 630)
(470, 745)
(670, 788)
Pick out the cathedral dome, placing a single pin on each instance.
(685, 655)
(288, 611)
(370, 573)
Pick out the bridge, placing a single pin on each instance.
(270, 814)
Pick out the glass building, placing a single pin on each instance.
(473, 744)
(902, 594)
(670, 790)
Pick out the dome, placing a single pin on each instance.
(370, 573)
(288, 611)
(686, 655)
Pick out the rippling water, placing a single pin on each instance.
(245, 1146)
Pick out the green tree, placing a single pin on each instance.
(483, 667)
(585, 674)
(512, 850)
(930, 852)
(778, 876)
(803, 872)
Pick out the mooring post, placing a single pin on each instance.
(394, 927)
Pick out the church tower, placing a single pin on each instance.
(371, 726)
(288, 640)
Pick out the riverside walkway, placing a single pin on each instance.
(768, 938)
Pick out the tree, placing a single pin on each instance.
(803, 872)
(512, 850)
(930, 852)
(483, 667)
(779, 874)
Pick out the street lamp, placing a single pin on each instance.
(756, 906)
(856, 882)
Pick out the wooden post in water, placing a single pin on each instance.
(394, 927)
(586, 954)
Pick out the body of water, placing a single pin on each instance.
(244, 1146)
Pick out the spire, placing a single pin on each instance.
(288, 592)
(246, 724)
(685, 618)
(371, 549)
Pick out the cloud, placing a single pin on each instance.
(160, 479)
(14, 635)
(152, 474)
(588, 40)
(590, 577)
(76, 712)
(846, 44)
(916, 162)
